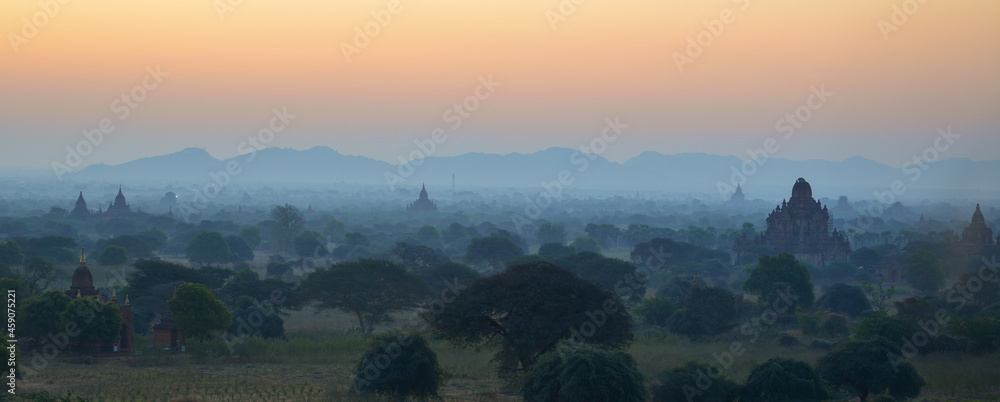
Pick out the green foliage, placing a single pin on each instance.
(199, 315)
(36, 275)
(983, 330)
(335, 229)
(288, 222)
(923, 271)
(676, 288)
(93, 319)
(833, 325)
(682, 384)
(576, 371)
(136, 246)
(611, 274)
(865, 257)
(808, 323)
(767, 279)
(893, 328)
(399, 365)
(209, 248)
(449, 274)
(707, 311)
(780, 379)
(658, 252)
(870, 367)
(845, 299)
(655, 311)
(368, 288)
(40, 315)
(113, 255)
(492, 251)
(586, 244)
(251, 318)
(526, 310)
(310, 244)
(549, 232)
(278, 294)
(878, 294)
(555, 250)
(11, 253)
(252, 236)
(53, 249)
(240, 251)
(155, 237)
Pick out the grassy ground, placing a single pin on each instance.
(317, 366)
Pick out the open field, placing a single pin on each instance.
(316, 366)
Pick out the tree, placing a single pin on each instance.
(113, 255)
(95, 321)
(335, 229)
(981, 329)
(682, 384)
(492, 251)
(526, 309)
(846, 299)
(416, 258)
(309, 244)
(449, 274)
(923, 271)
(611, 274)
(865, 257)
(870, 367)
(36, 276)
(209, 248)
(893, 328)
(251, 318)
(399, 365)
(137, 247)
(11, 253)
(576, 371)
(773, 272)
(199, 315)
(780, 379)
(252, 236)
(429, 235)
(706, 312)
(277, 294)
(549, 232)
(54, 249)
(655, 311)
(288, 222)
(40, 314)
(155, 237)
(555, 250)
(588, 244)
(606, 234)
(368, 288)
(878, 294)
(240, 251)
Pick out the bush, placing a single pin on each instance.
(787, 339)
(655, 311)
(868, 368)
(808, 323)
(821, 344)
(833, 325)
(576, 371)
(892, 328)
(844, 299)
(681, 384)
(780, 379)
(399, 365)
(984, 331)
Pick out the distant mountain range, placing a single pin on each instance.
(649, 171)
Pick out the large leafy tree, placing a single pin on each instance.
(611, 274)
(310, 244)
(54, 249)
(923, 271)
(137, 246)
(40, 315)
(113, 255)
(95, 321)
(252, 236)
(590, 244)
(11, 253)
(780, 273)
(399, 365)
(288, 222)
(870, 367)
(245, 282)
(706, 312)
(240, 251)
(368, 288)
(527, 309)
(846, 299)
(549, 232)
(251, 318)
(781, 379)
(491, 251)
(209, 248)
(688, 383)
(36, 275)
(577, 371)
(199, 315)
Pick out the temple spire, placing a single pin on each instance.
(83, 257)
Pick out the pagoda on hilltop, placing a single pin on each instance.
(977, 235)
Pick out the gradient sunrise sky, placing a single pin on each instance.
(229, 66)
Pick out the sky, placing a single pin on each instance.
(684, 76)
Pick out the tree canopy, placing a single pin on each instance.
(870, 367)
(780, 273)
(209, 248)
(527, 309)
(199, 315)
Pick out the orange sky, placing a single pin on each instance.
(941, 67)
